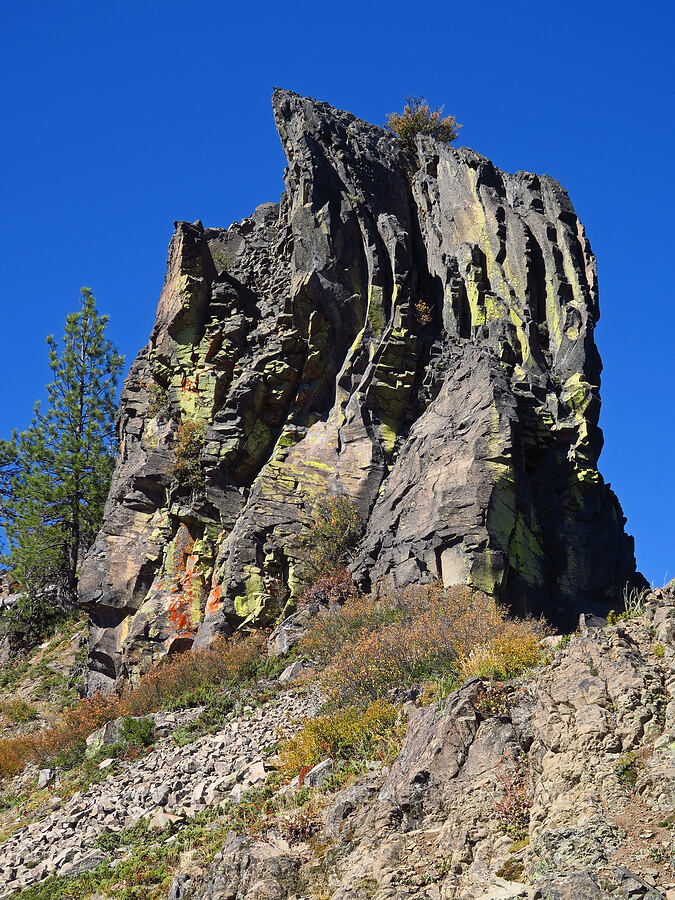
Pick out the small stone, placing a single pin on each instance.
(199, 792)
(160, 819)
(318, 774)
(44, 778)
(160, 795)
(236, 793)
(180, 887)
(293, 672)
(252, 773)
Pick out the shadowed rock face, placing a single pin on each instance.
(414, 330)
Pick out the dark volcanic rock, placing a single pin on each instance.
(414, 330)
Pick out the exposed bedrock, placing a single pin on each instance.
(412, 329)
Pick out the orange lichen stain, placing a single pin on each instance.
(214, 602)
(186, 587)
(179, 617)
(190, 385)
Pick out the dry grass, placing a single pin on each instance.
(354, 733)
(174, 681)
(370, 647)
(18, 711)
(514, 650)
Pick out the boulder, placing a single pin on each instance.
(292, 672)
(318, 774)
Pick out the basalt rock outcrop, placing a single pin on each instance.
(410, 327)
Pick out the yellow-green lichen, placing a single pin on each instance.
(250, 606)
(376, 311)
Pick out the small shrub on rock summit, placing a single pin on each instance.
(418, 118)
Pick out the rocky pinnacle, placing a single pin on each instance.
(411, 328)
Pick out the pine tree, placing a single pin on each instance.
(54, 477)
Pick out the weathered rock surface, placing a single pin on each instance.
(412, 329)
(561, 788)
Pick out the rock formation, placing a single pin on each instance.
(411, 328)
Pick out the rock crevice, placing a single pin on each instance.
(413, 330)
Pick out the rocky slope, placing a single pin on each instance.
(170, 786)
(562, 787)
(412, 329)
(557, 786)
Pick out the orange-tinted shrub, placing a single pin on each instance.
(418, 118)
(331, 590)
(226, 661)
(370, 647)
(13, 756)
(327, 635)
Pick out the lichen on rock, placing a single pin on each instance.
(416, 336)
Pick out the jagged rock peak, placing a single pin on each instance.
(413, 329)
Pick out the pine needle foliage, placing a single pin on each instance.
(54, 477)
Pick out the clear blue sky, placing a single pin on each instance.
(118, 118)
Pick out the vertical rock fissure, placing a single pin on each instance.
(421, 340)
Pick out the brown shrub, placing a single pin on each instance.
(186, 467)
(335, 531)
(12, 756)
(423, 313)
(359, 615)
(513, 803)
(175, 680)
(371, 647)
(331, 590)
(418, 118)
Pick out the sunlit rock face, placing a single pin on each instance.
(411, 328)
